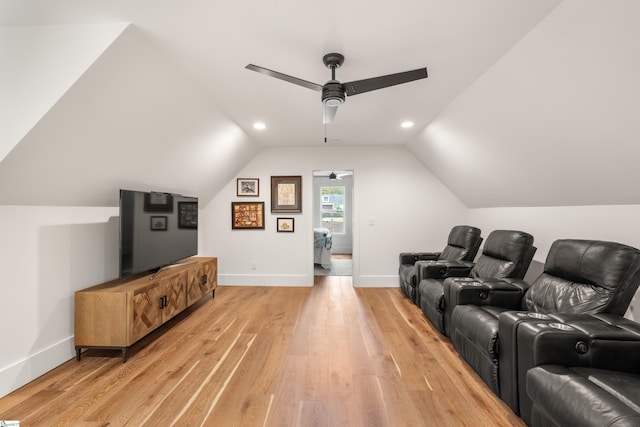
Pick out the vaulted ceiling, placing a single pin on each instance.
(528, 103)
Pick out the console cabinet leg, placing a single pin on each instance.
(78, 352)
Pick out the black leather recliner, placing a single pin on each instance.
(595, 383)
(462, 245)
(506, 254)
(580, 277)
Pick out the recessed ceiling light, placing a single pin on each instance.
(259, 126)
(407, 124)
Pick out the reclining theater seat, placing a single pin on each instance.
(506, 254)
(589, 398)
(462, 245)
(596, 386)
(580, 277)
(603, 390)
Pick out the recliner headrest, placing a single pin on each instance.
(507, 245)
(592, 262)
(463, 236)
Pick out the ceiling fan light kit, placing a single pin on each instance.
(334, 93)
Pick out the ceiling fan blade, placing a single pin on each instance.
(329, 113)
(286, 78)
(367, 85)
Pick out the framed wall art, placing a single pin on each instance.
(286, 225)
(286, 194)
(248, 187)
(158, 202)
(159, 223)
(187, 215)
(247, 215)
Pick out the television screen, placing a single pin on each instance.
(156, 230)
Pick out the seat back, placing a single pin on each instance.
(462, 245)
(585, 276)
(506, 254)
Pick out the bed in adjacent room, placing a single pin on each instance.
(322, 247)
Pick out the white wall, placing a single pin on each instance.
(48, 253)
(618, 223)
(398, 206)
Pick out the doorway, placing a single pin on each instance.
(333, 222)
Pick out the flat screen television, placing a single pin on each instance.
(156, 230)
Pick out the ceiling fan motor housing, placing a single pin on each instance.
(333, 93)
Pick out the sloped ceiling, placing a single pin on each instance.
(527, 102)
(130, 121)
(554, 122)
(39, 64)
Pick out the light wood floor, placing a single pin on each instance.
(329, 355)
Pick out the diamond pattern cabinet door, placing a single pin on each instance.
(147, 310)
(176, 296)
(210, 271)
(202, 280)
(194, 284)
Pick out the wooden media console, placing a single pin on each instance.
(116, 314)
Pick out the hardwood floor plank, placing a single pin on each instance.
(287, 391)
(313, 414)
(255, 411)
(204, 401)
(329, 355)
(370, 406)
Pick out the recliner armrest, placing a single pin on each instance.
(413, 257)
(532, 339)
(604, 342)
(440, 270)
(505, 293)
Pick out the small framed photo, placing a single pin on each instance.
(158, 202)
(158, 223)
(286, 225)
(247, 216)
(286, 194)
(248, 187)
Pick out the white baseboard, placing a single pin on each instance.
(390, 281)
(376, 281)
(14, 376)
(264, 280)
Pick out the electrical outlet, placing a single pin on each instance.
(253, 265)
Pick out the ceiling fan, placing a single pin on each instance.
(332, 175)
(334, 93)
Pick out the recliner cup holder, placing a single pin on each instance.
(561, 326)
(534, 315)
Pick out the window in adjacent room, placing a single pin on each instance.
(332, 208)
